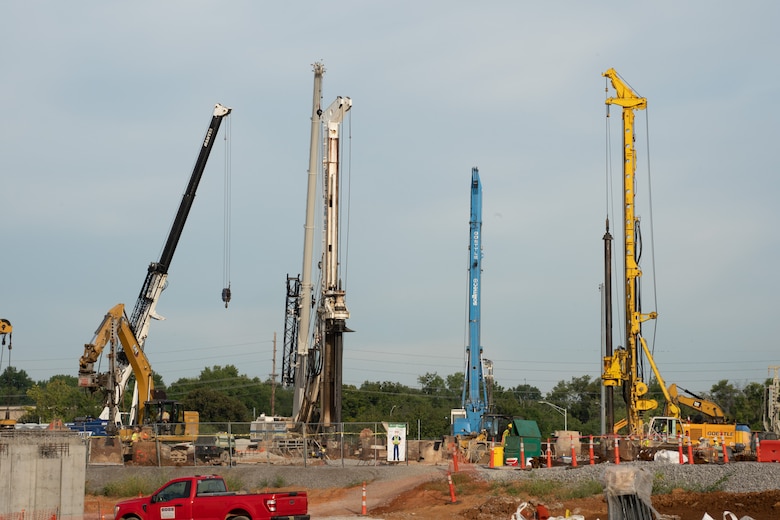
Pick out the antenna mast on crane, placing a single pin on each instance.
(318, 368)
(301, 361)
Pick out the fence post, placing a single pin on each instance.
(231, 444)
(305, 445)
(342, 444)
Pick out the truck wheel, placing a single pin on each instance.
(239, 518)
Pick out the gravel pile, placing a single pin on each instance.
(739, 477)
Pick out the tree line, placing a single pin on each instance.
(221, 394)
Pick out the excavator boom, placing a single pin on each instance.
(115, 328)
(711, 411)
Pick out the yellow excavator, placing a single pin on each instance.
(156, 417)
(113, 330)
(707, 410)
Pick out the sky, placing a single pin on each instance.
(105, 106)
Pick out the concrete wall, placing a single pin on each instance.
(44, 471)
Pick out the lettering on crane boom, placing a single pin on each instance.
(208, 137)
(475, 280)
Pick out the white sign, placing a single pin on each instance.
(396, 442)
(167, 512)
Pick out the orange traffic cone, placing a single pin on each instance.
(452, 488)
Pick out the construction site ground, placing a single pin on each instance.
(422, 492)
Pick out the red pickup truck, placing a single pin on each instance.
(207, 498)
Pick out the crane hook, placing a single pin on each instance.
(226, 296)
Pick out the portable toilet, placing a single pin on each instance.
(528, 432)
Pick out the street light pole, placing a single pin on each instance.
(562, 411)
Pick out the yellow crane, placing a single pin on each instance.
(620, 369)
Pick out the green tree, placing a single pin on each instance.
(581, 397)
(216, 406)
(750, 409)
(725, 395)
(431, 383)
(252, 392)
(455, 383)
(13, 387)
(61, 398)
(527, 394)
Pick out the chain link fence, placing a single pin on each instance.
(267, 441)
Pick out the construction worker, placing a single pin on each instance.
(136, 434)
(506, 434)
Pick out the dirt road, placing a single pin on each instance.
(423, 493)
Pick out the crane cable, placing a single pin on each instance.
(226, 294)
(652, 237)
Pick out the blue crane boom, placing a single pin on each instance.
(474, 399)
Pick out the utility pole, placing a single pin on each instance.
(273, 380)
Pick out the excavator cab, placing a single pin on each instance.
(665, 429)
(493, 426)
(169, 418)
(165, 416)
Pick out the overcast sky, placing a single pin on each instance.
(105, 105)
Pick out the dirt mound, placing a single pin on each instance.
(692, 506)
(479, 501)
